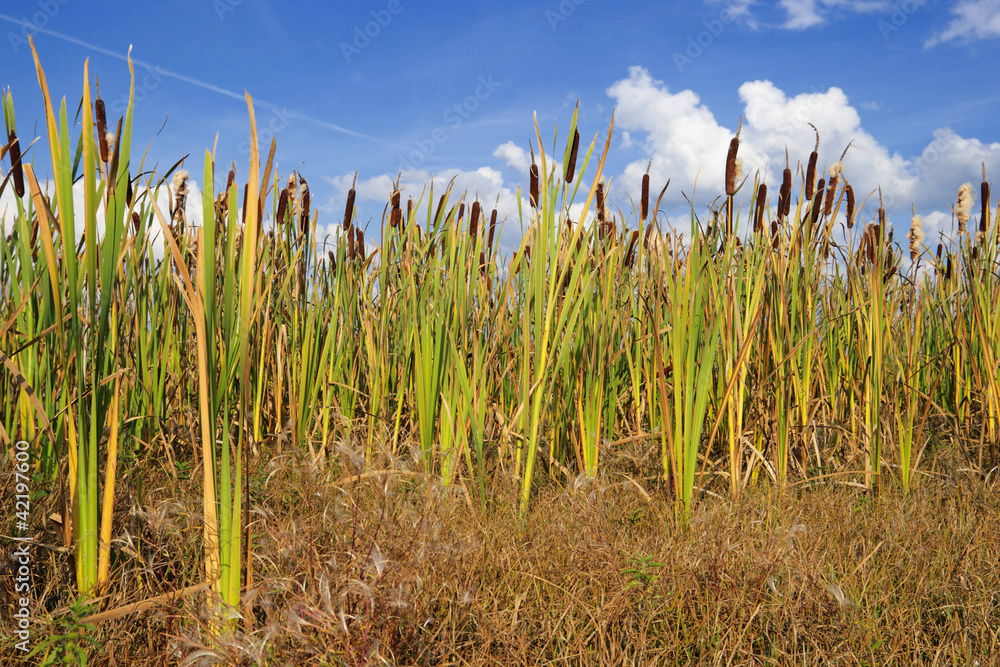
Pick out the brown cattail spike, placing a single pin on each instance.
(303, 205)
(758, 218)
(396, 214)
(817, 203)
(16, 170)
(785, 194)
(849, 195)
(102, 126)
(831, 188)
(571, 165)
(474, 220)
(493, 228)
(644, 199)
(349, 208)
(732, 168)
(601, 211)
(533, 185)
(984, 192)
(282, 207)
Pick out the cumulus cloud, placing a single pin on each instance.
(973, 19)
(682, 140)
(803, 14)
(688, 145)
(514, 156)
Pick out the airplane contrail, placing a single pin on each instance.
(194, 82)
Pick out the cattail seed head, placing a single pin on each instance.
(732, 164)
(282, 207)
(644, 199)
(303, 205)
(963, 206)
(571, 165)
(785, 194)
(396, 213)
(849, 194)
(17, 172)
(984, 192)
(102, 127)
(493, 228)
(349, 209)
(915, 236)
(533, 185)
(601, 211)
(831, 188)
(474, 220)
(811, 169)
(179, 186)
(818, 201)
(758, 219)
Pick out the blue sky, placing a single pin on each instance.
(449, 89)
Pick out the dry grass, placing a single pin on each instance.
(394, 569)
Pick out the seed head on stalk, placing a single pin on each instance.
(963, 206)
(915, 236)
(785, 194)
(571, 165)
(17, 173)
(179, 186)
(533, 179)
(101, 119)
(303, 205)
(644, 197)
(733, 167)
(758, 219)
(984, 197)
(349, 209)
(811, 168)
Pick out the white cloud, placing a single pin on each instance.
(973, 19)
(684, 141)
(803, 14)
(687, 144)
(516, 157)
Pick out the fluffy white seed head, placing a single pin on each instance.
(963, 207)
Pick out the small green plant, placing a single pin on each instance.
(70, 639)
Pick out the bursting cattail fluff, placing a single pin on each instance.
(180, 193)
(915, 236)
(963, 206)
(831, 188)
